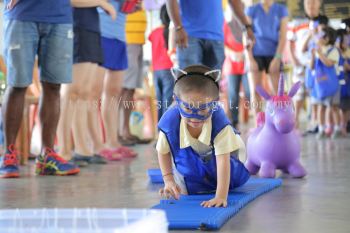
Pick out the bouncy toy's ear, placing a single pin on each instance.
(262, 92)
(294, 89)
(216, 74)
(176, 71)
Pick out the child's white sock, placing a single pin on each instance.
(337, 128)
(321, 128)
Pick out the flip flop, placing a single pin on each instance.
(111, 155)
(126, 152)
(131, 151)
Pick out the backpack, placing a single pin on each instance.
(326, 81)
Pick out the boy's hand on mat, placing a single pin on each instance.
(170, 190)
(109, 8)
(215, 202)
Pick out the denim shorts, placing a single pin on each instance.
(202, 51)
(52, 43)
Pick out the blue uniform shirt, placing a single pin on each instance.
(203, 19)
(41, 11)
(266, 27)
(113, 29)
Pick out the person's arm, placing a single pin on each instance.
(11, 4)
(238, 9)
(305, 45)
(171, 189)
(248, 53)
(104, 4)
(172, 44)
(275, 64)
(312, 60)
(181, 37)
(223, 182)
(325, 60)
(282, 36)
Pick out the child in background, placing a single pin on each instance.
(308, 44)
(197, 136)
(233, 67)
(325, 60)
(161, 63)
(343, 44)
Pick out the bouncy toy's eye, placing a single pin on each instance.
(271, 111)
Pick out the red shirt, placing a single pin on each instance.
(231, 65)
(160, 58)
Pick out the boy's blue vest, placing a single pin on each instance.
(345, 88)
(326, 80)
(200, 176)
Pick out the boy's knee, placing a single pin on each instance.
(51, 88)
(16, 90)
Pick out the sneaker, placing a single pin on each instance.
(80, 160)
(52, 164)
(98, 159)
(336, 134)
(9, 164)
(310, 131)
(321, 135)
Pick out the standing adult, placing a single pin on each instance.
(266, 54)
(33, 28)
(199, 30)
(78, 98)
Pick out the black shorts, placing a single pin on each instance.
(87, 46)
(263, 62)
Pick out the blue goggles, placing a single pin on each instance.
(200, 112)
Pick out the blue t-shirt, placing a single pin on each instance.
(41, 11)
(266, 27)
(203, 19)
(113, 29)
(86, 18)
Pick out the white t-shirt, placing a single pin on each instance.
(298, 31)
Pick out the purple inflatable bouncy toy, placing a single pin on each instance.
(274, 144)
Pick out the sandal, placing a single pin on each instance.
(139, 140)
(126, 152)
(126, 141)
(111, 155)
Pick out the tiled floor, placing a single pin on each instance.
(319, 203)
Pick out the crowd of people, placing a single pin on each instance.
(91, 51)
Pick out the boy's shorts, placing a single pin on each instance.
(134, 74)
(114, 52)
(345, 104)
(331, 100)
(53, 43)
(87, 46)
(263, 62)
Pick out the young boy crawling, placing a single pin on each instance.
(197, 146)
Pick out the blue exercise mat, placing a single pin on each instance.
(186, 213)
